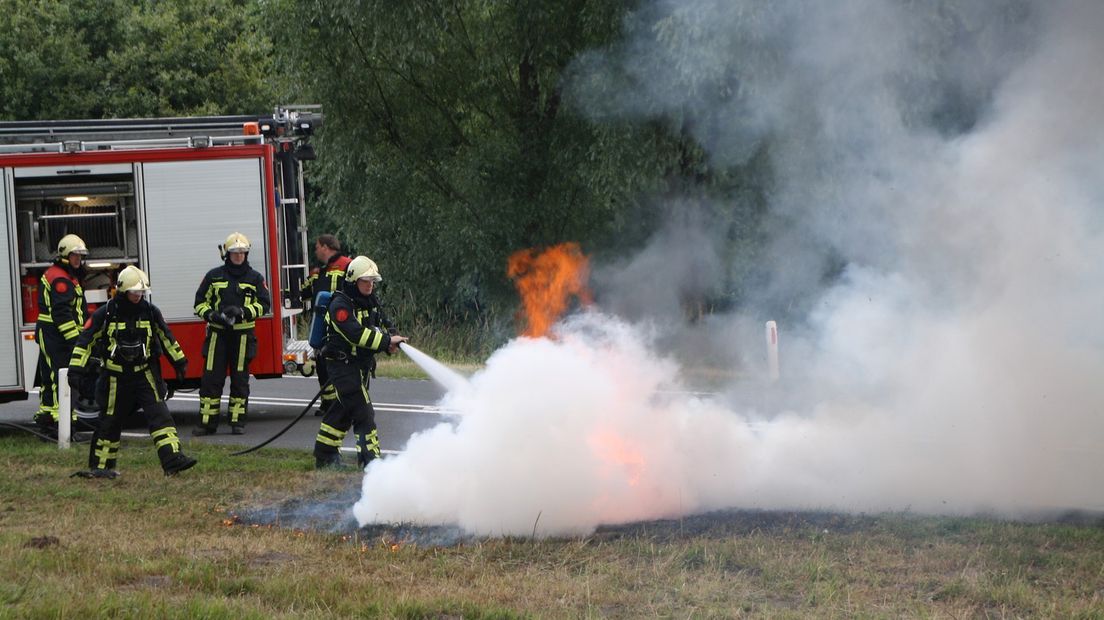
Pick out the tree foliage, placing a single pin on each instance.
(114, 58)
(448, 142)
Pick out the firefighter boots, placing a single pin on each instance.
(202, 431)
(177, 463)
(329, 461)
(47, 427)
(107, 474)
(237, 429)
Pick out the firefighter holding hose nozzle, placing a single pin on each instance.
(354, 335)
(130, 335)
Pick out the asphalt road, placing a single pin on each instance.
(403, 407)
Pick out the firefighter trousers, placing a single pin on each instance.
(226, 350)
(54, 352)
(120, 394)
(353, 408)
(329, 394)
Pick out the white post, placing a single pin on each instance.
(65, 409)
(772, 350)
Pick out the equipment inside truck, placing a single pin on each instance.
(97, 205)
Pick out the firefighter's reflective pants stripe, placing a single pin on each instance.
(54, 352)
(352, 409)
(226, 353)
(329, 394)
(119, 395)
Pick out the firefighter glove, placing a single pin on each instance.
(233, 313)
(217, 318)
(181, 369)
(75, 378)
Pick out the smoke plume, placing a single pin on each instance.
(942, 163)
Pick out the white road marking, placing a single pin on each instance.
(276, 401)
(348, 449)
(302, 402)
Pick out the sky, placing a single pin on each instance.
(942, 162)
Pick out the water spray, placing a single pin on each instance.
(443, 375)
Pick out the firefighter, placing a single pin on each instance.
(61, 316)
(353, 337)
(129, 334)
(327, 249)
(230, 298)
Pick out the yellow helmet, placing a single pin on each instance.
(362, 268)
(236, 242)
(132, 279)
(71, 244)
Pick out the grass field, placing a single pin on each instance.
(192, 546)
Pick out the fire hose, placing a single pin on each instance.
(27, 429)
(286, 428)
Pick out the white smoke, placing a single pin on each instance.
(954, 365)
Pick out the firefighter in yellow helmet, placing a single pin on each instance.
(353, 337)
(230, 298)
(61, 314)
(129, 334)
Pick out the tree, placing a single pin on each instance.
(111, 58)
(449, 144)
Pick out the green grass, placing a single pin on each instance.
(148, 546)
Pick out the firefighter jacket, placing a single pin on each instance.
(354, 328)
(61, 300)
(329, 279)
(232, 285)
(128, 337)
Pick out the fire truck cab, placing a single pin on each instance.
(161, 194)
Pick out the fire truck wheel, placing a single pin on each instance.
(290, 367)
(307, 369)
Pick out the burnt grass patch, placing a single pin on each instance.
(330, 512)
(736, 522)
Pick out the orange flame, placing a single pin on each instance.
(546, 281)
(394, 545)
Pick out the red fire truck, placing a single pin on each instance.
(162, 194)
